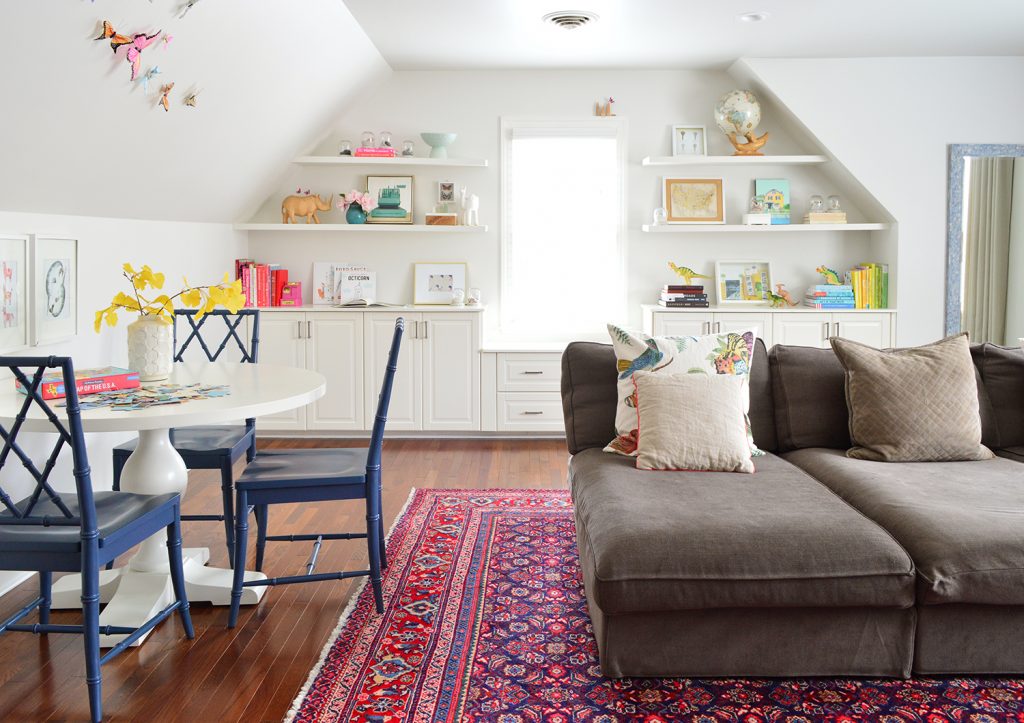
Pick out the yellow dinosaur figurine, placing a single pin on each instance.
(831, 276)
(686, 274)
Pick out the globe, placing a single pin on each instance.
(737, 112)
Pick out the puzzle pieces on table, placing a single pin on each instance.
(129, 400)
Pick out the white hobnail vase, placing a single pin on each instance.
(151, 348)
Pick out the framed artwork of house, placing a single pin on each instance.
(693, 200)
(743, 282)
(14, 318)
(394, 199)
(774, 195)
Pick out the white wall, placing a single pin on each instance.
(889, 121)
(203, 251)
(471, 104)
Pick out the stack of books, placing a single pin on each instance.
(828, 296)
(87, 381)
(825, 217)
(382, 152)
(261, 283)
(682, 296)
(870, 285)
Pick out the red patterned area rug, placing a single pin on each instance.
(486, 620)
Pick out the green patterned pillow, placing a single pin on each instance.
(724, 353)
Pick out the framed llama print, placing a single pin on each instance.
(14, 317)
(693, 200)
(54, 289)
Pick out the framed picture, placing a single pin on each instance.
(773, 193)
(433, 283)
(323, 282)
(689, 141)
(394, 199)
(446, 192)
(14, 275)
(693, 200)
(54, 289)
(743, 282)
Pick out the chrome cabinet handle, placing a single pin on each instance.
(531, 372)
(836, 333)
(309, 329)
(718, 327)
(529, 412)
(415, 330)
(426, 330)
(299, 323)
(827, 327)
(705, 327)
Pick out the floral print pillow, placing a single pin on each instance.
(724, 353)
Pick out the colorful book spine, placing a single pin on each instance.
(87, 381)
(375, 152)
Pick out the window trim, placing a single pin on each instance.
(620, 126)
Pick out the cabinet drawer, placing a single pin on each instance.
(530, 412)
(529, 372)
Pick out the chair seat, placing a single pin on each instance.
(114, 512)
(214, 441)
(306, 467)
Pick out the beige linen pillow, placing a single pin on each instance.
(912, 405)
(692, 422)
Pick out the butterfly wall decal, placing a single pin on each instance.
(186, 7)
(148, 76)
(191, 98)
(135, 44)
(165, 96)
(167, 40)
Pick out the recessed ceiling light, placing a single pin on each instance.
(570, 19)
(752, 17)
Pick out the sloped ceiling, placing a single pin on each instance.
(77, 137)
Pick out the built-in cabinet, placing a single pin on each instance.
(437, 384)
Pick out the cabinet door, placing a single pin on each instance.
(670, 323)
(801, 329)
(451, 371)
(282, 341)
(871, 329)
(406, 408)
(334, 348)
(760, 323)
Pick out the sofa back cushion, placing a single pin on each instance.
(809, 390)
(1002, 405)
(589, 396)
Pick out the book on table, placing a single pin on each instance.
(87, 381)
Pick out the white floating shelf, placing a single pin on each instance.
(358, 227)
(780, 228)
(396, 161)
(731, 160)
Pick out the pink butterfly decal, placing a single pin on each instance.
(135, 44)
(167, 39)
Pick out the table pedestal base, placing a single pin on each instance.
(135, 593)
(132, 597)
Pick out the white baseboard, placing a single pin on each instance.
(319, 434)
(10, 579)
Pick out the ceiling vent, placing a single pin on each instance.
(570, 19)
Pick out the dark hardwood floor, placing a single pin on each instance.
(251, 673)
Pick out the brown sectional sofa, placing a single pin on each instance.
(817, 564)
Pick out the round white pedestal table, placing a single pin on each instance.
(136, 592)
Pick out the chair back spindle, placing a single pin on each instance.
(381, 418)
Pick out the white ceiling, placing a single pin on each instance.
(454, 34)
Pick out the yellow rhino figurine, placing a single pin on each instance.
(304, 206)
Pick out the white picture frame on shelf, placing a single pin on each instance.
(14, 279)
(434, 282)
(54, 289)
(689, 140)
(743, 282)
(323, 282)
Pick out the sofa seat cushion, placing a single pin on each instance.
(961, 522)
(667, 540)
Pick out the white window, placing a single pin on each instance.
(563, 270)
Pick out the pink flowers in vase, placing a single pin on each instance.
(363, 200)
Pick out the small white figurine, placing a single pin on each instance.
(470, 208)
(458, 297)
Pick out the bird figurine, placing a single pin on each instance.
(650, 356)
(686, 274)
(165, 96)
(751, 148)
(780, 292)
(135, 44)
(831, 276)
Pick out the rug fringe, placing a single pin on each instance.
(297, 703)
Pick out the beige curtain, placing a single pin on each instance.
(987, 248)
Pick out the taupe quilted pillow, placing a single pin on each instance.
(912, 405)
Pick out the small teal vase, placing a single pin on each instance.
(355, 214)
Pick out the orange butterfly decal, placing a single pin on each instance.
(135, 44)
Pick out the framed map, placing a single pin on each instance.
(693, 200)
(54, 289)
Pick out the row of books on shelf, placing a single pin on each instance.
(683, 296)
(865, 287)
(265, 284)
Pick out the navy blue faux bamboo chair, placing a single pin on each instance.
(213, 447)
(316, 475)
(47, 534)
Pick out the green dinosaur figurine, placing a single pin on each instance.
(831, 277)
(686, 274)
(776, 301)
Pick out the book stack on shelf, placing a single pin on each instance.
(381, 152)
(683, 296)
(830, 296)
(262, 284)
